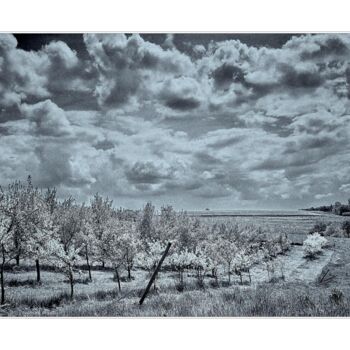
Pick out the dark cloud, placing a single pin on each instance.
(206, 159)
(226, 74)
(182, 104)
(294, 172)
(104, 145)
(146, 173)
(226, 142)
(12, 112)
(331, 46)
(303, 79)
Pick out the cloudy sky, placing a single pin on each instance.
(193, 120)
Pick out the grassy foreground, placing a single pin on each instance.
(328, 298)
(101, 298)
(264, 300)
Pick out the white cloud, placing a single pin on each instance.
(345, 188)
(324, 195)
(231, 123)
(47, 118)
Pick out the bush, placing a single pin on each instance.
(214, 283)
(336, 230)
(313, 245)
(284, 243)
(346, 228)
(332, 230)
(319, 227)
(180, 287)
(17, 283)
(336, 296)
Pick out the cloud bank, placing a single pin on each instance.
(222, 125)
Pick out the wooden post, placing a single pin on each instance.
(155, 274)
(37, 264)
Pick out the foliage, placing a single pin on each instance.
(149, 258)
(319, 227)
(346, 228)
(242, 263)
(34, 224)
(313, 245)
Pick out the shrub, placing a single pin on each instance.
(336, 296)
(284, 243)
(335, 230)
(17, 283)
(214, 283)
(272, 249)
(180, 287)
(319, 227)
(332, 230)
(313, 245)
(346, 228)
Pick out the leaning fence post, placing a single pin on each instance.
(155, 274)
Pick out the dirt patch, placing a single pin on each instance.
(293, 267)
(338, 267)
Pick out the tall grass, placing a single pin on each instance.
(283, 299)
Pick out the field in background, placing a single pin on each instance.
(282, 221)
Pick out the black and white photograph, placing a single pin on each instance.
(175, 174)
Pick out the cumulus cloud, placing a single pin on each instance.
(323, 195)
(20, 73)
(129, 67)
(180, 94)
(222, 124)
(345, 188)
(52, 72)
(47, 118)
(147, 173)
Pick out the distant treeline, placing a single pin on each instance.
(336, 208)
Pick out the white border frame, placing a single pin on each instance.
(180, 16)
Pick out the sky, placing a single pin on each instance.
(219, 121)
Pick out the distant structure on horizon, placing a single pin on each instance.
(337, 208)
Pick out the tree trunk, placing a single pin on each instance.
(154, 283)
(71, 281)
(2, 276)
(250, 277)
(118, 279)
(240, 276)
(129, 272)
(88, 263)
(2, 285)
(103, 264)
(17, 259)
(181, 276)
(37, 264)
(229, 273)
(128, 263)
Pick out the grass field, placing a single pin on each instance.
(290, 222)
(295, 290)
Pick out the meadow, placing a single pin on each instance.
(287, 221)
